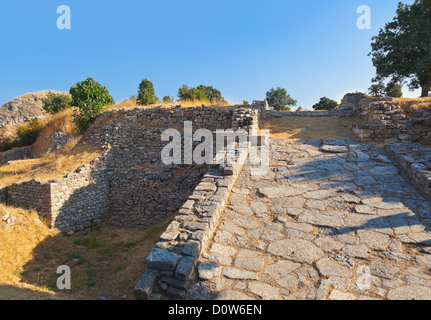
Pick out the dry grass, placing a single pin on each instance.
(19, 241)
(132, 103)
(60, 121)
(50, 166)
(294, 128)
(104, 263)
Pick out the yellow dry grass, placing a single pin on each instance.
(18, 241)
(60, 121)
(132, 103)
(50, 166)
(294, 128)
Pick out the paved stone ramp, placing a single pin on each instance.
(330, 220)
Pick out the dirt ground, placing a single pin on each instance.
(294, 128)
(104, 263)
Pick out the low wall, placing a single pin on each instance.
(385, 118)
(172, 262)
(416, 163)
(73, 203)
(128, 185)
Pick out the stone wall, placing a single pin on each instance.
(128, 185)
(73, 203)
(386, 118)
(16, 154)
(415, 160)
(172, 262)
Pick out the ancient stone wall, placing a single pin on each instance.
(129, 185)
(386, 118)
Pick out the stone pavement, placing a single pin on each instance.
(330, 220)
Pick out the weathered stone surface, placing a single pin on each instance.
(232, 295)
(207, 270)
(144, 287)
(329, 268)
(410, 293)
(265, 291)
(160, 259)
(235, 273)
(296, 249)
(251, 264)
(373, 240)
(281, 269)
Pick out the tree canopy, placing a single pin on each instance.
(146, 94)
(325, 104)
(279, 99)
(402, 49)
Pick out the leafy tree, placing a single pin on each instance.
(54, 103)
(146, 94)
(325, 104)
(402, 48)
(213, 95)
(188, 94)
(393, 90)
(299, 109)
(245, 102)
(90, 97)
(279, 99)
(201, 93)
(168, 99)
(377, 89)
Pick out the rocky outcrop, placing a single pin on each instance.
(24, 108)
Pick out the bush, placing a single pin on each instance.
(325, 104)
(54, 103)
(28, 133)
(279, 99)
(377, 89)
(394, 90)
(245, 102)
(146, 93)
(168, 99)
(200, 93)
(90, 97)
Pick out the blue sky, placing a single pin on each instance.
(312, 48)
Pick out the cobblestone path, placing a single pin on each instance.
(330, 220)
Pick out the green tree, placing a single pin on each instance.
(146, 94)
(56, 102)
(189, 94)
(212, 94)
(279, 99)
(394, 90)
(377, 89)
(90, 97)
(325, 104)
(402, 48)
(168, 99)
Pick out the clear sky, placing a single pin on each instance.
(312, 48)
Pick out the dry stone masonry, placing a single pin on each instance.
(386, 118)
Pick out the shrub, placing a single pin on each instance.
(245, 102)
(325, 104)
(200, 93)
(377, 89)
(28, 133)
(279, 99)
(54, 103)
(146, 93)
(90, 97)
(394, 90)
(168, 99)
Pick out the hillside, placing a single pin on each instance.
(23, 108)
